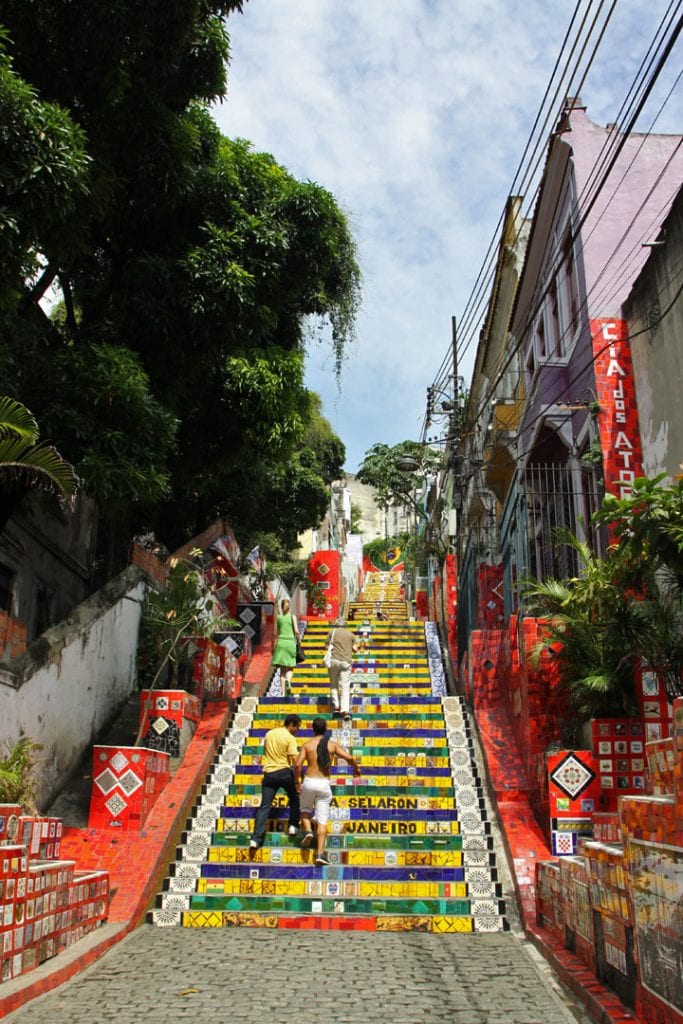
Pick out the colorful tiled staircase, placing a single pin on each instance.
(409, 847)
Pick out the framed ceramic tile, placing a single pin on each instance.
(620, 728)
(621, 747)
(623, 782)
(604, 747)
(650, 684)
(636, 747)
(636, 728)
(607, 782)
(623, 765)
(606, 766)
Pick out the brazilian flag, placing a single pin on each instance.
(389, 560)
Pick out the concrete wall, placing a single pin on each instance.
(73, 679)
(655, 322)
(51, 557)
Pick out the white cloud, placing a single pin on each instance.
(414, 113)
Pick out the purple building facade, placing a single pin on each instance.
(602, 198)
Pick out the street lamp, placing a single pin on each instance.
(407, 464)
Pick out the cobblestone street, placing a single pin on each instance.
(217, 975)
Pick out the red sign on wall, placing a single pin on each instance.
(618, 417)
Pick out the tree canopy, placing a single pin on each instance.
(381, 469)
(189, 265)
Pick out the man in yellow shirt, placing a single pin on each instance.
(279, 753)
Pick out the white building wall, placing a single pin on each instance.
(63, 697)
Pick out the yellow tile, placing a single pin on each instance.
(202, 919)
(452, 924)
(446, 858)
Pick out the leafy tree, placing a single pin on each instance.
(44, 172)
(394, 486)
(356, 517)
(186, 257)
(97, 398)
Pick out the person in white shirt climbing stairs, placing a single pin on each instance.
(344, 645)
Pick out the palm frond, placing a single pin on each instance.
(546, 596)
(16, 420)
(43, 464)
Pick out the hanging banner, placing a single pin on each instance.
(622, 455)
(387, 560)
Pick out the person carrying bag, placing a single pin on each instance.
(284, 647)
(341, 646)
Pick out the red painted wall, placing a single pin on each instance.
(324, 568)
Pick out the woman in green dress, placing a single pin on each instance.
(284, 646)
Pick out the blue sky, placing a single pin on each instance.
(414, 114)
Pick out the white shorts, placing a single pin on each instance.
(315, 798)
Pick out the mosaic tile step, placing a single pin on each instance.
(277, 705)
(361, 888)
(400, 626)
(408, 665)
(358, 905)
(389, 774)
(378, 741)
(244, 822)
(361, 692)
(363, 717)
(406, 809)
(395, 678)
(374, 640)
(421, 779)
(377, 757)
(312, 886)
(471, 859)
(398, 673)
(421, 873)
(365, 795)
(365, 730)
(202, 848)
(364, 624)
(437, 923)
(319, 922)
(351, 841)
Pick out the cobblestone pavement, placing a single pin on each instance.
(164, 976)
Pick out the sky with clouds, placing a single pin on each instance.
(415, 115)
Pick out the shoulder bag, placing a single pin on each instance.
(300, 656)
(327, 660)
